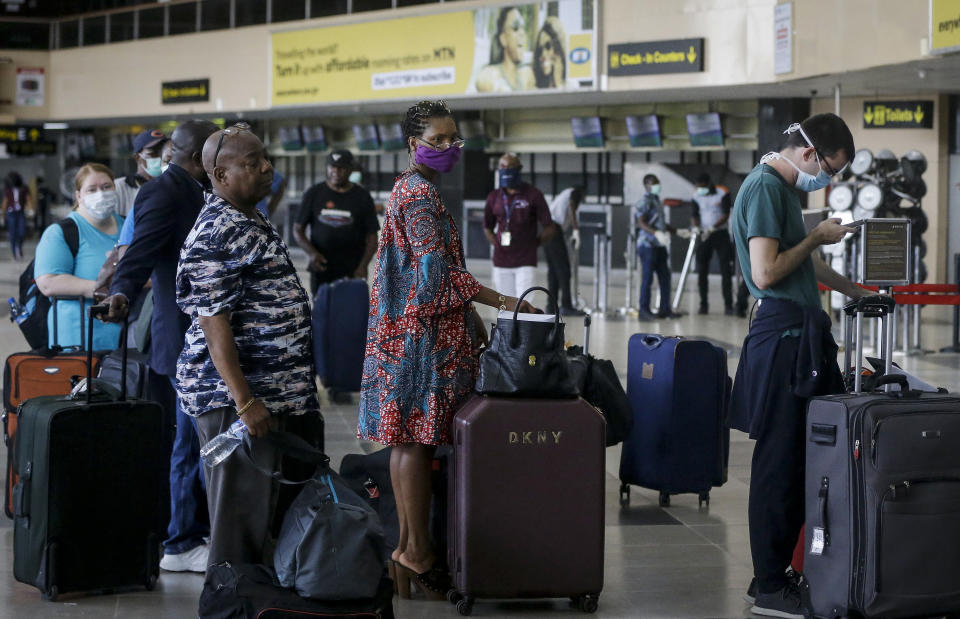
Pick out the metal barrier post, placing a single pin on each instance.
(596, 271)
(631, 256)
(955, 346)
(685, 271)
(917, 344)
(603, 270)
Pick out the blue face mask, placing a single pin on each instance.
(153, 166)
(509, 177)
(805, 181)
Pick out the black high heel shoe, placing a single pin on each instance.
(434, 583)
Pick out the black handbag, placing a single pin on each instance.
(526, 358)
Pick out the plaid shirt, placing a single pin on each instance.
(651, 210)
(231, 263)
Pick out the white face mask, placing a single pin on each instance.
(102, 204)
(355, 177)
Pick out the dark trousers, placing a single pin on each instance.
(189, 520)
(719, 242)
(654, 260)
(246, 506)
(776, 507)
(17, 229)
(558, 272)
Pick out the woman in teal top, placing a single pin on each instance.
(61, 274)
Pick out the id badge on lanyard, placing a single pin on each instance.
(505, 236)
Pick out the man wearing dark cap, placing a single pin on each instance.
(343, 224)
(146, 152)
(166, 210)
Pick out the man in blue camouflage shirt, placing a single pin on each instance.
(248, 351)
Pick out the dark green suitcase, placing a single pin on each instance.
(91, 478)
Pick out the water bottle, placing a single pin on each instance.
(222, 445)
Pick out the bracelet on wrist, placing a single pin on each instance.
(246, 407)
(502, 300)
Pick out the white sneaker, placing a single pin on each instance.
(193, 560)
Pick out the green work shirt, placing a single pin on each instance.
(767, 206)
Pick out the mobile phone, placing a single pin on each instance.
(855, 224)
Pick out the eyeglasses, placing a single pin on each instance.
(823, 160)
(231, 130)
(443, 147)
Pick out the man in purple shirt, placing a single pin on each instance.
(510, 221)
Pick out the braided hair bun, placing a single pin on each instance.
(417, 116)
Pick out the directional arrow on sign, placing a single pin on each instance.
(918, 115)
(691, 55)
(868, 115)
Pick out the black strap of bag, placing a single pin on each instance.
(101, 310)
(285, 443)
(514, 334)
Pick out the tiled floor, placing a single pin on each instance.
(675, 562)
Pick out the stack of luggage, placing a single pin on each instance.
(527, 478)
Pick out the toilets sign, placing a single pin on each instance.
(898, 114)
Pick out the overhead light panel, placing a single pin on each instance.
(56, 126)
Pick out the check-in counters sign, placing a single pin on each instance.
(655, 57)
(187, 91)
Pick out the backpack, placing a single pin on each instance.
(31, 316)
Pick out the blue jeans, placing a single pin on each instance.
(17, 229)
(654, 260)
(189, 521)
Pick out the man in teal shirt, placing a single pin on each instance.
(781, 267)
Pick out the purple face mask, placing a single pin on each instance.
(439, 160)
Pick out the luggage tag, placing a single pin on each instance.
(816, 546)
(505, 238)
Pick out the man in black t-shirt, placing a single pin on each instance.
(343, 225)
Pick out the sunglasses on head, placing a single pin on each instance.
(231, 130)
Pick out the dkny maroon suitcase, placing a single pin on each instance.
(527, 501)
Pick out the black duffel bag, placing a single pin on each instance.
(246, 591)
(526, 358)
(599, 385)
(331, 544)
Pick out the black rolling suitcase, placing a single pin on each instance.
(882, 495)
(89, 488)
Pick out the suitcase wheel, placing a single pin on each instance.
(624, 495)
(453, 596)
(51, 594)
(151, 583)
(465, 606)
(588, 603)
(704, 499)
(664, 499)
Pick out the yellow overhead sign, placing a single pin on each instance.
(487, 50)
(944, 26)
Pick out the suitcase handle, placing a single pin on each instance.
(101, 310)
(873, 306)
(652, 341)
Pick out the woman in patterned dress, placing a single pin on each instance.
(423, 337)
